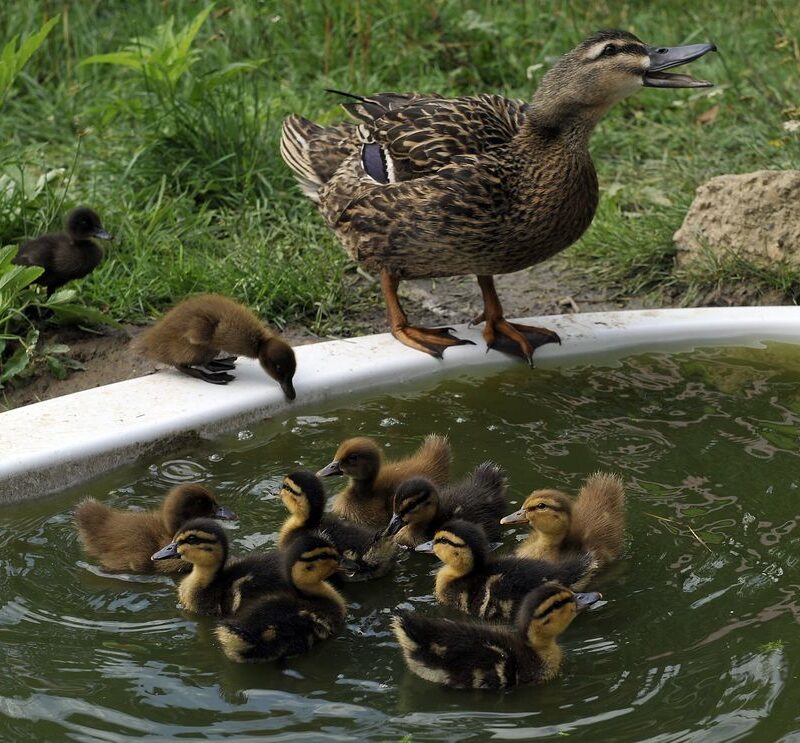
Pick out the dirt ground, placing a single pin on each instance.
(550, 288)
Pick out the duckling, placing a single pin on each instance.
(489, 587)
(69, 255)
(594, 521)
(419, 508)
(193, 332)
(291, 621)
(368, 555)
(367, 499)
(124, 540)
(476, 655)
(426, 186)
(216, 585)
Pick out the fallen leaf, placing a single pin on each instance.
(708, 117)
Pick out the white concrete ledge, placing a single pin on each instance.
(57, 443)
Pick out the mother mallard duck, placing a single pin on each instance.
(427, 186)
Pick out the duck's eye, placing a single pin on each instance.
(609, 50)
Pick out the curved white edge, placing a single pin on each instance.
(51, 445)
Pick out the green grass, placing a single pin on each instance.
(183, 162)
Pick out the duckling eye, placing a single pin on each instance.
(609, 50)
(191, 539)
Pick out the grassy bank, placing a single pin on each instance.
(180, 154)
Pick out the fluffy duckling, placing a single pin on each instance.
(365, 553)
(594, 521)
(216, 585)
(291, 621)
(489, 587)
(476, 655)
(367, 499)
(124, 540)
(69, 255)
(420, 509)
(193, 332)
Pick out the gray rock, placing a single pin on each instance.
(753, 215)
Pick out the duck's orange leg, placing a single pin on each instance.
(428, 340)
(509, 337)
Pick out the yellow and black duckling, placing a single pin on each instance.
(217, 585)
(427, 186)
(365, 553)
(125, 540)
(475, 581)
(594, 521)
(69, 255)
(477, 655)
(367, 499)
(420, 508)
(291, 621)
(193, 332)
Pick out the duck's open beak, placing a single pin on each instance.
(587, 599)
(394, 526)
(103, 235)
(518, 517)
(167, 553)
(330, 469)
(424, 547)
(223, 513)
(662, 58)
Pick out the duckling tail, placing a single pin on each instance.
(90, 515)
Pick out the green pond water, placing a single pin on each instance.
(697, 640)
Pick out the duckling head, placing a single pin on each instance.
(460, 545)
(277, 359)
(191, 501)
(304, 497)
(416, 501)
(607, 67)
(83, 223)
(309, 560)
(548, 610)
(359, 458)
(202, 542)
(547, 511)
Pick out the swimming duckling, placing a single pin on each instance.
(193, 332)
(367, 499)
(489, 587)
(124, 540)
(290, 622)
(367, 554)
(420, 509)
(69, 255)
(477, 655)
(216, 585)
(594, 521)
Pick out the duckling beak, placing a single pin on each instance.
(103, 235)
(288, 389)
(394, 526)
(167, 553)
(330, 469)
(424, 547)
(349, 567)
(224, 514)
(662, 58)
(518, 517)
(587, 599)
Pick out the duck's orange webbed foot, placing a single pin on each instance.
(516, 339)
(428, 340)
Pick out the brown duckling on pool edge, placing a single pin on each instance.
(367, 499)
(473, 580)
(364, 552)
(477, 655)
(124, 540)
(561, 526)
(193, 332)
(290, 621)
(218, 585)
(69, 255)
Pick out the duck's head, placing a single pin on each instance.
(609, 66)
(460, 545)
(416, 502)
(548, 610)
(359, 458)
(547, 511)
(309, 560)
(277, 359)
(191, 501)
(202, 542)
(304, 497)
(83, 222)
